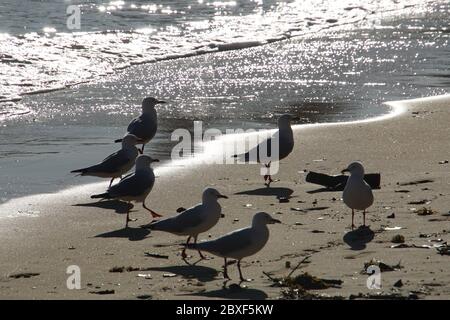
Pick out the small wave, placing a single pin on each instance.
(40, 62)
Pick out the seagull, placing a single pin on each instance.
(285, 139)
(144, 126)
(240, 243)
(134, 187)
(116, 164)
(357, 193)
(193, 221)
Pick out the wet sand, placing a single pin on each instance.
(45, 234)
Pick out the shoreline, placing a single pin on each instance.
(72, 230)
(396, 110)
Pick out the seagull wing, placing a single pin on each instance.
(132, 186)
(143, 127)
(114, 162)
(179, 224)
(228, 244)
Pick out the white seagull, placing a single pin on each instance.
(240, 243)
(195, 220)
(145, 126)
(116, 164)
(357, 193)
(135, 186)
(285, 139)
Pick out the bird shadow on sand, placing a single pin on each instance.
(233, 291)
(201, 273)
(132, 234)
(279, 192)
(358, 239)
(116, 205)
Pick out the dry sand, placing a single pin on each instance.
(45, 234)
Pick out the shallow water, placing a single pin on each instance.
(338, 74)
(40, 51)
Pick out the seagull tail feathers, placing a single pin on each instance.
(150, 226)
(101, 196)
(80, 171)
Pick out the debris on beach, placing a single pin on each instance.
(283, 199)
(144, 275)
(144, 297)
(309, 282)
(297, 287)
(425, 211)
(416, 182)
(398, 238)
(384, 296)
(424, 201)
(156, 255)
(391, 216)
(384, 267)
(443, 162)
(423, 246)
(444, 250)
(103, 292)
(127, 269)
(398, 284)
(25, 275)
(169, 275)
(392, 228)
(402, 191)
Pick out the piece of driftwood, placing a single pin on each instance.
(337, 183)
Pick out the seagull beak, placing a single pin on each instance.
(118, 140)
(155, 160)
(345, 170)
(160, 102)
(275, 221)
(222, 196)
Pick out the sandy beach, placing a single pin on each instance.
(42, 235)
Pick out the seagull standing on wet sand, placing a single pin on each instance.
(193, 221)
(357, 193)
(285, 138)
(145, 126)
(135, 186)
(116, 164)
(240, 243)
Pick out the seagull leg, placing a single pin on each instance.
(199, 252)
(128, 215)
(153, 213)
(110, 183)
(268, 178)
(141, 151)
(225, 271)
(183, 253)
(364, 218)
(240, 271)
(353, 215)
